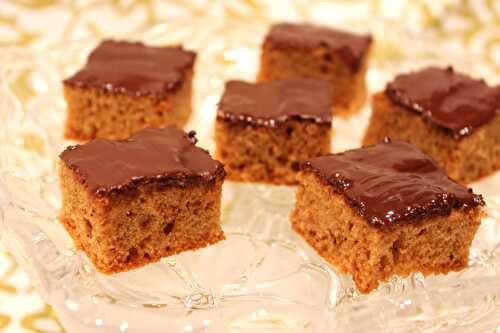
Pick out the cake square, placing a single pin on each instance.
(125, 87)
(263, 131)
(306, 50)
(448, 115)
(131, 202)
(385, 210)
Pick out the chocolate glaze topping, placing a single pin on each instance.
(134, 69)
(166, 156)
(351, 47)
(270, 103)
(392, 182)
(452, 101)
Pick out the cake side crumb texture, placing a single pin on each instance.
(125, 87)
(269, 154)
(372, 255)
(132, 202)
(129, 229)
(263, 131)
(385, 210)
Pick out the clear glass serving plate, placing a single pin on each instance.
(263, 277)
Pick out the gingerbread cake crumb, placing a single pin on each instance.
(132, 202)
(375, 217)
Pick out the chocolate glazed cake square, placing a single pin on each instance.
(305, 50)
(448, 115)
(132, 202)
(125, 87)
(264, 131)
(375, 217)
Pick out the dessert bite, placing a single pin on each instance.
(375, 217)
(448, 115)
(305, 50)
(131, 202)
(263, 131)
(125, 87)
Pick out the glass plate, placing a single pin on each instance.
(263, 277)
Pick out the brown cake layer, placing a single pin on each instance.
(125, 87)
(270, 103)
(432, 245)
(269, 154)
(134, 69)
(166, 156)
(385, 210)
(392, 182)
(352, 47)
(129, 203)
(264, 131)
(453, 101)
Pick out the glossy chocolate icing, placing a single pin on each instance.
(392, 182)
(134, 69)
(165, 156)
(271, 103)
(351, 47)
(452, 101)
